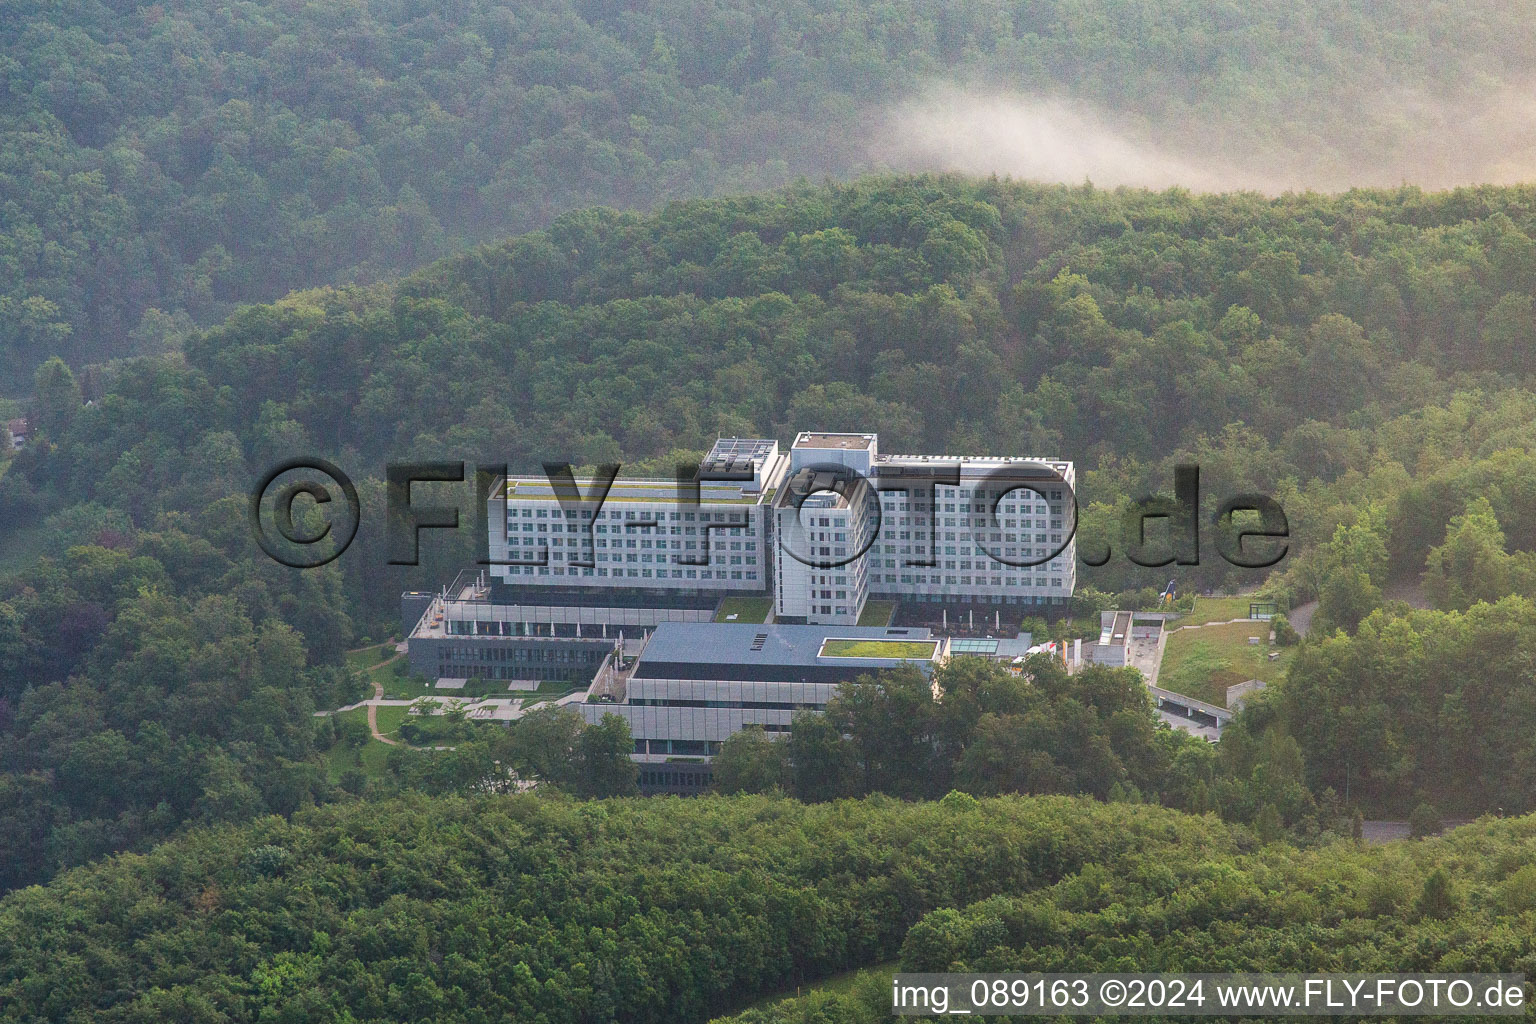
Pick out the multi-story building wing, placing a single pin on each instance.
(1003, 535)
(820, 530)
(962, 530)
(647, 541)
(820, 575)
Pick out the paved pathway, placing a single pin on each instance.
(378, 700)
(1205, 732)
(1393, 831)
(1301, 617)
(373, 715)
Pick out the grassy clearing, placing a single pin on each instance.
(378, 664)
(550, 689)
(877, 649)
(408, 687)
(877, 613)
(746, 609)
(538, 699)
(1202, 663)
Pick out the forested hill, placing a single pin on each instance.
(535, 909)
(545, 911)
(1365, 358)
(1460, 903)
(165, 161)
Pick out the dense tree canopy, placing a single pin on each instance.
(986, 730)
(1460, 903)
(534, 910)
(164, 162)
(549, 910)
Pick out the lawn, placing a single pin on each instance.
(379, 665)
(877, 649)
(390, 716)
(370, 658)
(369, 758)
(550, 689)
(877, 613)
(746, 609)
(1202, 663)
(1215, 609)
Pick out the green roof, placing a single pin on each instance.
(877, 648)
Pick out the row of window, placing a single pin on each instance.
(660, 574)
(686, 748)
(1021, 495)
(755, 705)
(564, 654)
(920, 597)
(506, 672)
(681, 781)
(509, 627)
(990, 564)
(921, 537)
(645, 542)
(528, 556)
(920, 579)
(632, 516)
(642, 529)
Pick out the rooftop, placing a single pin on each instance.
(895, 463)
(1115, 629)
(814, 489)
(855, 442)
(993, 647)
(739, 454)
(731, 643)
(660, 490)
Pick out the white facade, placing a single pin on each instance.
(921, 547)
(646, 534)
(941, 547)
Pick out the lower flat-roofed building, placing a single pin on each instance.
(694, 685)
(465, 632)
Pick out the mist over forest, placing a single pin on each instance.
(165, 163)
(1397, 135)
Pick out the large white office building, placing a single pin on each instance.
(959, 531)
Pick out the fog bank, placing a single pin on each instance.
(1393, 137)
